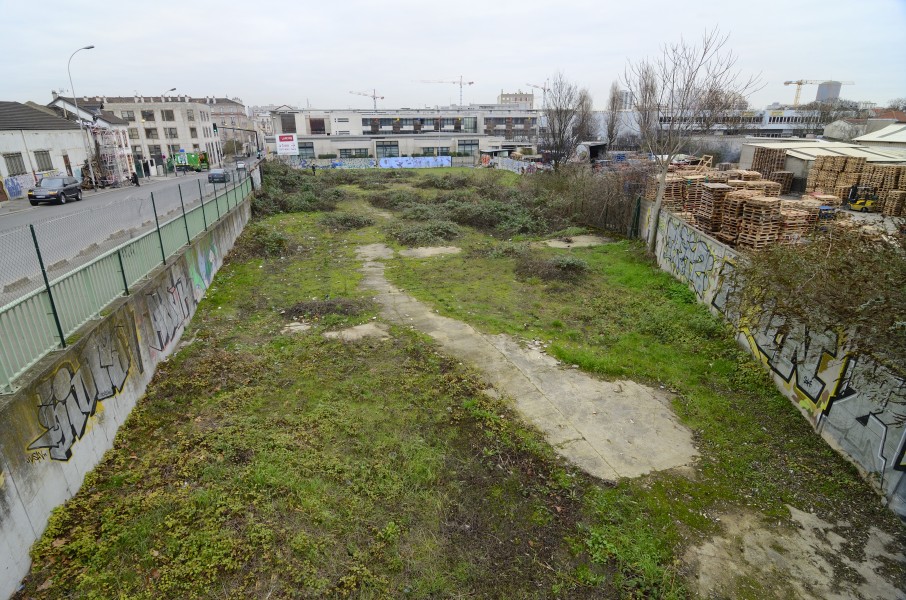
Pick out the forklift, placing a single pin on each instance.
(866, 200)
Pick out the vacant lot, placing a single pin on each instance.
(269, 461)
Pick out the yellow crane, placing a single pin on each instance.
(373, 95)
(801, 82)
(460, 83)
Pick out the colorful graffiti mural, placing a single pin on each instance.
(418, 162)
(853, 402)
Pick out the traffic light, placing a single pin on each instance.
(215, 128)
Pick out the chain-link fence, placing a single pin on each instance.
(58, 274)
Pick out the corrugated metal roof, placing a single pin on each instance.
(14, 115)
(892, 134)
(793, 144)
(871, 155)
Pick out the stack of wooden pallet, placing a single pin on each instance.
(784, 178)
(673, 193)
(771, 188)
(768, 160)
(759, 226)
(829, 172)
(795, 225)
(734, 203)
(827, 199)
(812, 208)
(692, 191)
(710, 210)
(895, 204)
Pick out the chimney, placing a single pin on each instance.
(54, 94)
(135, 99)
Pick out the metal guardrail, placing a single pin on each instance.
(39, 322)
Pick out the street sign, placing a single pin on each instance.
(287, 145)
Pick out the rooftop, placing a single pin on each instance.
(14, 115)
(892, 134)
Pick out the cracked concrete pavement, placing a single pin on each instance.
(609, 429)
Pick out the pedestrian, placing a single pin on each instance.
(853, 193)
(135, 179)
(313, 170)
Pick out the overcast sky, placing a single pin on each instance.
(315, 52)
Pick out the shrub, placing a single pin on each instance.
(327, 156)
(260, 240)
(346, 221)
(562, 267)
(423, 212)
(424, 234)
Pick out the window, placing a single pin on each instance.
(233, 121)
(128, 115)
(166, 115)
(14, 163)
(341, 120)
(470, 124)
(438, 151)
(387, 149)
(195, 147)
(42, 157)
(306, 149)
(353, 152)
(154, 151)
(147, 115)
(133, 133)
(468, 147)
(223, 121)
(344, 132)
(151, 134)
(288, 123)
(190, 115)
(170, 133)
(366, 122)
(193, 132)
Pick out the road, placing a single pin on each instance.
(76, 232)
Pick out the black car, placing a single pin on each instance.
(218, 176)
(55, 189)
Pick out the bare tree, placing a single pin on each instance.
(586, 125)
(897, 104)
(568, 117)
(680, 95)
(612, 114)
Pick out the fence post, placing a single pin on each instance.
(119, 256)
(204, 215)
(163, 254)
(216, 199)
(185, 219)
(53, 306)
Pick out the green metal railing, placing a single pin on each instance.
(40, 321)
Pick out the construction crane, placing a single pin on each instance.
(373, 95)
(801, 82)
(460, 83)
(544, 90)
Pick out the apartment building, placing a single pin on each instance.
(407, 131)
(234, 123)
(157, 126)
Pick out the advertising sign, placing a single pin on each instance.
(286, 144)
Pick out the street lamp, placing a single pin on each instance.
(75, 99)
(167, 92)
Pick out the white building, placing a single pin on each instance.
(407, 131)
(34, 144)
(159, 126)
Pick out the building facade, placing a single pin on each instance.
(407, 132)
(34, 144)
(157, 127)
(235, 128)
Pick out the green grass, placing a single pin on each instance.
(268, 465)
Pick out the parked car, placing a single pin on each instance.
(218, 176)
(240, 166)
(55, 189)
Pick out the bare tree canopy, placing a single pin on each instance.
(614, 104)
(680, 95)
(897, 103)
(568, 119)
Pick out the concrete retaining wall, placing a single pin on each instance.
(851, 401)
(58, 425)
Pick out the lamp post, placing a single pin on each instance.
(166, 144)
(78, 117)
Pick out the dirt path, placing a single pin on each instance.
(609, 429)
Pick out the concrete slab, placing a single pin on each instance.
(378, 330)
(609, 429)
(429, 251)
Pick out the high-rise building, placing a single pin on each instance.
(827, 91)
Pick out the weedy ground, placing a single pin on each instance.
(277, 465)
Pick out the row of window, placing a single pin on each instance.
(152, 133)
(15, 165)
(796, 119)
(165, 115)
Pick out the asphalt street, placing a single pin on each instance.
(76, 232)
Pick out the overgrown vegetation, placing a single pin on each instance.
(845, 280)
(265, 464)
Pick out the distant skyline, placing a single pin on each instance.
(315, 53)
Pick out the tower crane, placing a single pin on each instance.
(801, 82)
(460, 83)
(373, 95)
(544, 90)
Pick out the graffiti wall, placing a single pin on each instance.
(511, 164)
(855, 404)
(419, 162)
(17, 186)
(58, 425)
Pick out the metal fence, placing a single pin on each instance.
(59, 274)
